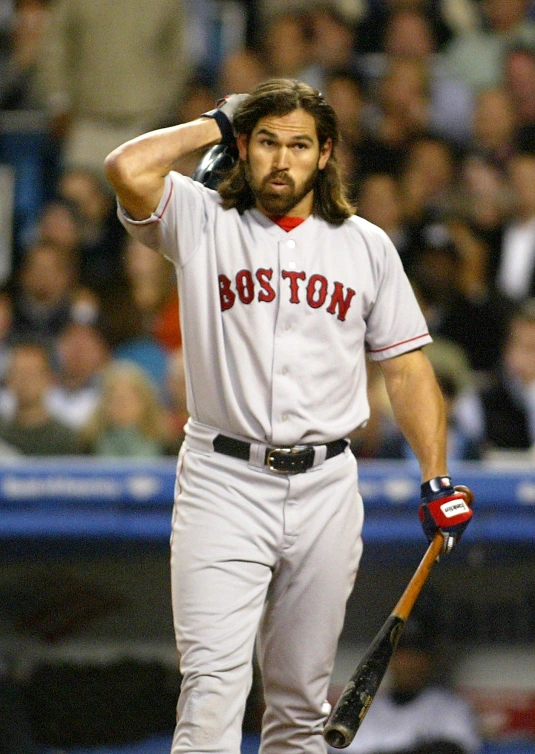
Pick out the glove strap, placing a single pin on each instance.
(225, 126)
(436, 486)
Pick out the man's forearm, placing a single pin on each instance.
(419, 410)
(137, 169)
(158, 151)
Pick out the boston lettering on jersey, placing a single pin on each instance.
(316, 291)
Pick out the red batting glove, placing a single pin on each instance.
(444, 508)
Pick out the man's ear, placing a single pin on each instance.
(241, 143)
(325, 152)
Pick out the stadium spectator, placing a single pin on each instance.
(345, 93)
(101, 236)
(332, 40)
(58, 223)
(410, 33)
(6, 21)
(455, 378)
(427, 184)
(478, 324)
(19, 88)
(415, 711)
(366, 441)
(129, 420)
(47, 294)
(153, 286)
(81, 354)
(478, 259)
(448, 19)
(483, 200)
(398, 113)
(241, 70)
(103, 84)
(285, 46)
(344, 90)
(305, 39)
(379, 201)
(519, 79)
(494, 126)
(516, 267)
(502, 413)
(477, 56)
(26, 145)
(122, 325)
(32, 430)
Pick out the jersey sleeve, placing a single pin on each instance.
(176, 226)
(395, 323)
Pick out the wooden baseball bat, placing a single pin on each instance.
(359, 692)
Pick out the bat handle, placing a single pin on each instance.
(408, 598)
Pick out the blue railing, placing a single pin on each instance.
(132, 500)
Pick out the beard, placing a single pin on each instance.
(278, 203)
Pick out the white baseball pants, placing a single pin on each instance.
(256, 555)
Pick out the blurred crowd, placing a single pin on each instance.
(436, 103)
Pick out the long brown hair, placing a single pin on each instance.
(279, 97)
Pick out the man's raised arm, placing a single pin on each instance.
(137, 169)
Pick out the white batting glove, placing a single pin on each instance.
(223, 115)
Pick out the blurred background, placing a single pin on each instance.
(436, 102)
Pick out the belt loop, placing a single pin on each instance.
(320, 452)
(257, 454)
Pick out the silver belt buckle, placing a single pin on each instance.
(270, 459)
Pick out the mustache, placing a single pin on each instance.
(280, 175)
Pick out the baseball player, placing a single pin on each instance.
(283, 291)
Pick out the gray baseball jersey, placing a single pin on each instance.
(276, 324)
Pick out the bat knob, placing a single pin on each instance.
(466, 492)
(337, 738)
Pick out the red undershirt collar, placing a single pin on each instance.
(287, 223)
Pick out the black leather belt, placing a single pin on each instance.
(279, 460)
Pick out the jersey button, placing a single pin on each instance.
(284, 417)
(290, 244)
(284, 370)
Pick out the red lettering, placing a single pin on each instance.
(267, 293)
(226, 296)
(294, 290)
(339, 302)
(245, 286)
(316, 291)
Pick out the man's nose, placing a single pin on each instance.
(281, 158)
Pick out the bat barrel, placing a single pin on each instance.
(351, 708)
